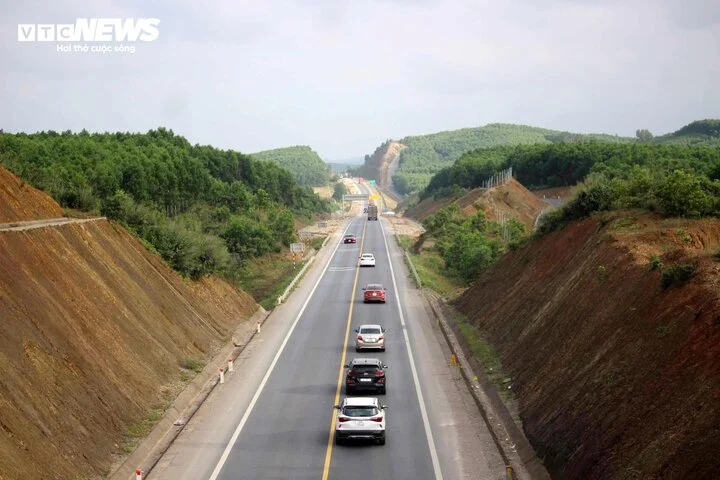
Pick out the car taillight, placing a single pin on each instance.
(379, 373)
(381, 338)
(381, 380)
(360, 338)
(349, 381)
(377, 419)
(343, 419)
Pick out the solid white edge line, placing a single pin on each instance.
(421, 400)
(248, 411)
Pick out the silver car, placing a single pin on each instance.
(360, 418)
(370, 336)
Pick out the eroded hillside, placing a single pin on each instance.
(511, 199)
(617, 376)
(94, 331)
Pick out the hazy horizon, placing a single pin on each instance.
(342, 79)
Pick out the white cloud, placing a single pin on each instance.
(343, 77)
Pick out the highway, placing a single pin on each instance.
(274, 419)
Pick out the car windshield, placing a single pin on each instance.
(360, 411)
(370, 330)
(349, 236)
(367, 255)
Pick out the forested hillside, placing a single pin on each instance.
(302, 161)
(204, 210)
(700, 132)
(425, 155)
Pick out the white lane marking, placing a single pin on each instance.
(254, 400)
(423, 409)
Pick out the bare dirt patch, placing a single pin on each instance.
(94, 332)
(617, 377)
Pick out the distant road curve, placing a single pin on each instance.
(48, 222)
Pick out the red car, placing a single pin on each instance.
(374, 292)
(349, 239)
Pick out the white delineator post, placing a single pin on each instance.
(230, 364)
(222, 376)
(258, 326)
(138, 474)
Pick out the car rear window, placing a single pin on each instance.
(360, 411)
(365, 368)
(374, 287)
(370, 330)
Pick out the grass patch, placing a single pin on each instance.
(266, 278)
(405, 241)
(677, 275)
(484, 352)
(316, 242)
(431, 269)
(139, 430)
(193, 364)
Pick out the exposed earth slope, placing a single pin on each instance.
(617, 377)
(511, 199)
(93, 334)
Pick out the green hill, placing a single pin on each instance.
(302, 161)
(699, 132)
(425, 155)
(203, 209)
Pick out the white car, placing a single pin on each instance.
(370, 336)
(360, 418)
(367, 260)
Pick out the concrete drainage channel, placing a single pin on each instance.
(139, 464)
(514, 447)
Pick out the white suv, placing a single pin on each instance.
(367, 260)
(360, 418)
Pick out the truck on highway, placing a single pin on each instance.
(372, 212)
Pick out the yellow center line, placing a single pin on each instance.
(331, 439)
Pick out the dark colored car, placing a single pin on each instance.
(365, 374)
(349, 239)
(374, 292)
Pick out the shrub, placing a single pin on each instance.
(655, 262)
(677, 275)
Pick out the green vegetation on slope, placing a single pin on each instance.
(673, 180)
(202, 209)
(565, 164)
(302, 161)
(699, 132)
(427, 154)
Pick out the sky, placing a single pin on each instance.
(343, 77)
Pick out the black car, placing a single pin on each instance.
(365, 374)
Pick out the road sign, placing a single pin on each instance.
(322, 224)
(297, 247)
(350, 198)
(372, 182)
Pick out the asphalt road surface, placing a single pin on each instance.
(274, 418)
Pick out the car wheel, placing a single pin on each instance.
(381, 439)
(338, 441)
(382, 390)
(349, 391)
(357, 349)
(382, 349)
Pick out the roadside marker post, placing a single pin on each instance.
(453, 359)
(138, 474)
(222, 376)
(230, 364)
(258, 326)
(508, 473)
